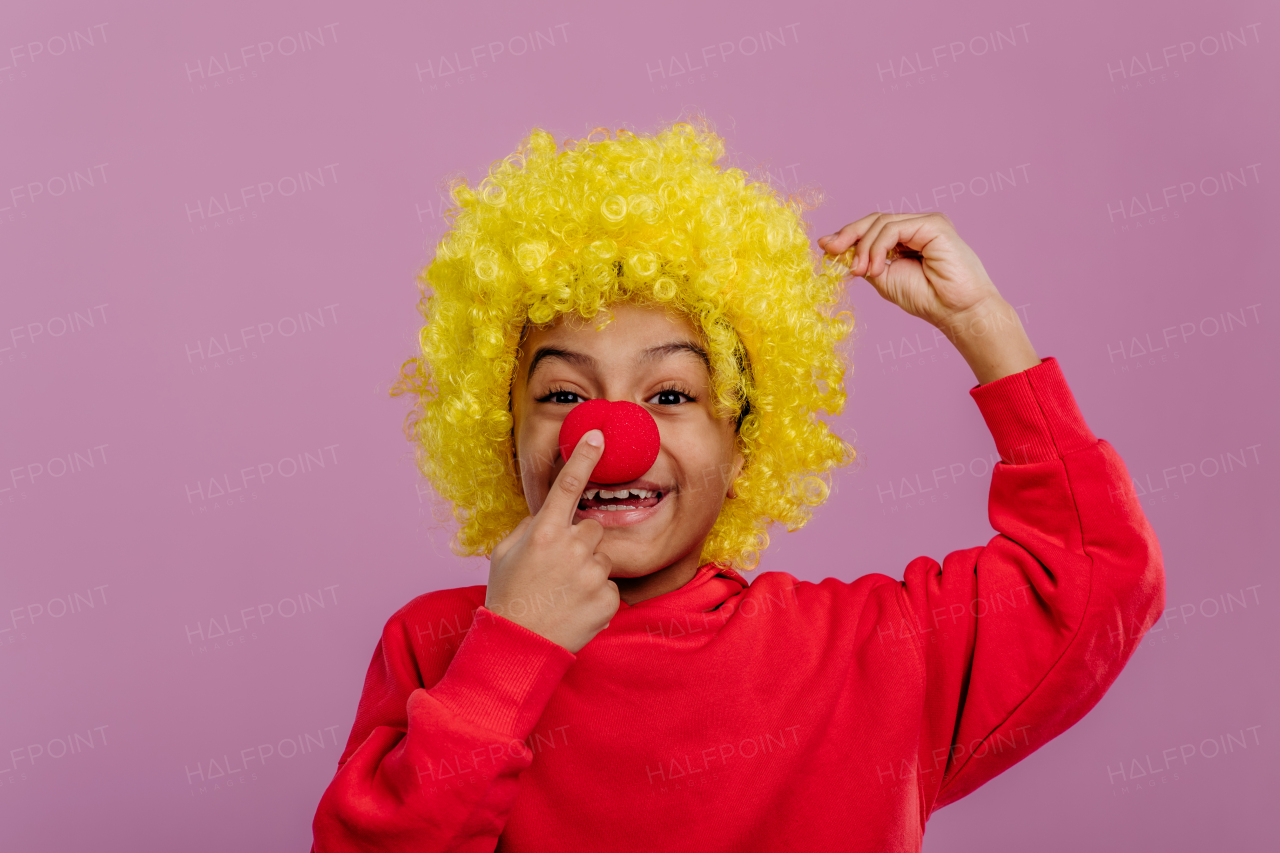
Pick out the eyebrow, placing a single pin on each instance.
(587, 362)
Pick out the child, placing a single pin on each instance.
(618, 685)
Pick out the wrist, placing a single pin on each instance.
(991, 315)
(990, 337)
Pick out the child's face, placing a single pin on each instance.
(698, 459)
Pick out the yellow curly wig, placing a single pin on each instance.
(649, 219)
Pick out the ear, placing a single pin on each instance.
(738, 461)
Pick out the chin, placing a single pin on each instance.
(626, 572)
(636, 566)
(633, 568)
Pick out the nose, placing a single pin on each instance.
(631, 440)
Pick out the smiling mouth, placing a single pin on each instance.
(622, 499)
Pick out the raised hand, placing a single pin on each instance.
(939, 279)
(547, 574)
(919, 263)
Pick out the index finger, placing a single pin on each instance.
(566, 491)
(844, 238)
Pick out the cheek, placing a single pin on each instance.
(703, 462)
(537, 452)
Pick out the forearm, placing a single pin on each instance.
(991, 339)
(438, 766)
(443, 784)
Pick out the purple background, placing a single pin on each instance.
(1111, 163)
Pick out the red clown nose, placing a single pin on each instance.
(630, 438)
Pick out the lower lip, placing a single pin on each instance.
(622, 517)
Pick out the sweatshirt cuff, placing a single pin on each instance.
(502, 675)
(1032, 415)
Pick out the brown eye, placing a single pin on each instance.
(561, 396)
(670, 397)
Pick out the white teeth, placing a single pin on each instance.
(607, 494)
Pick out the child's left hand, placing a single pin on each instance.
(941, 281)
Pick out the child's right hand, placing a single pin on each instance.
(547, 574)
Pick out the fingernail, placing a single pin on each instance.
(595, 438)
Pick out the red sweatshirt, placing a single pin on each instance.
(780, 715)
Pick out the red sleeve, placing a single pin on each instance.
(1019, 639)
(434, 759)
